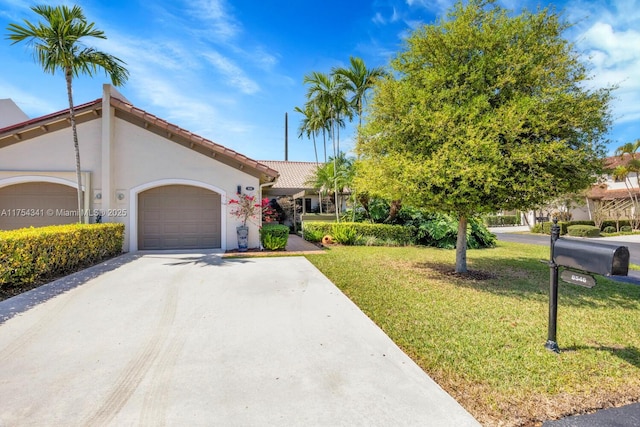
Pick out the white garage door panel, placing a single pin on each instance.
(36, 204)
(179, 217)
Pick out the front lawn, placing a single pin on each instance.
(482, 338)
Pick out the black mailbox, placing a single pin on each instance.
(600, 258)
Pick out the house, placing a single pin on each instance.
(293, 183)
(610, 199)
(168, 186)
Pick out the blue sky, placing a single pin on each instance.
(230, 69)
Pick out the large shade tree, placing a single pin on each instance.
(486, 110)
(57, 45)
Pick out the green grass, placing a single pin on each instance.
(483, 340)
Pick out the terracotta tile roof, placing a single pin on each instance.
(598, 192)
(92, 110)
(615, 161)
(293, 175)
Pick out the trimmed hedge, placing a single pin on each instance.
(274, 237)
(501, 220)
(546, 226)
(314, 231)
(583, 231)
(31, 254)
(611, 223)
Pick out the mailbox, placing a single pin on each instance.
(600, 258)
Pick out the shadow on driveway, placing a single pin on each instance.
(27, 300)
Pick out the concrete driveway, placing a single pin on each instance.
(197, 339)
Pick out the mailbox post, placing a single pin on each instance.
(552, 343)
(580, 257)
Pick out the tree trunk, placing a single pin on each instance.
(394, 208)
(461, 245)
(76, 146)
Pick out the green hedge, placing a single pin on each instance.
(611, 223)
(546, 226)
(274, 237)
(349, 232)
(501, 220)
(583, 231)
(32, 254)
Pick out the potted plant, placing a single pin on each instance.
(247, 208)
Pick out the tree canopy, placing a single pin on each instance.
(486, 110)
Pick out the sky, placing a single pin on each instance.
(229, 70)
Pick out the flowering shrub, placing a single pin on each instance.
(248, 208)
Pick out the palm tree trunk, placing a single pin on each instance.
(315, 148)
(461, 245)
(324, 138)
(76, 146)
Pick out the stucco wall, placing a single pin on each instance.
(139, 160)
(54, 152)
(143, 158)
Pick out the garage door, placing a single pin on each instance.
(37, 204)
(178, 217)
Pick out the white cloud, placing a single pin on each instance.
(221, 23)
(234, 74)
(613, 49)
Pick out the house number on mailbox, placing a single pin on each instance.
(580, 279)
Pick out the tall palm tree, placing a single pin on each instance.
(359, 80)
(309, 124)
(57, 46)
(328, 91)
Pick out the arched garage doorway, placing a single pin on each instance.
(37, 204)
(179, 217)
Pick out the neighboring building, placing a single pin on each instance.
(292, 184)
(168, 186)
(609, 199)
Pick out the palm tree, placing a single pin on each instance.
(309, 124)
(359, 81)
(328, 92)
(57, 46)
(336, 174)
(622, 172)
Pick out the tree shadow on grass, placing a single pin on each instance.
(526, 278)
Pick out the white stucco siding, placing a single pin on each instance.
(54, 152)
(144, 160)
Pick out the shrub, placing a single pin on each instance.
(537, 228)
(609, 229)
(314, 231)
(344, 233)
(611, 223)
(274, 237)
(626, 228)
(312, 234)
(29, 255)
(546, 227)
(583, 231)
